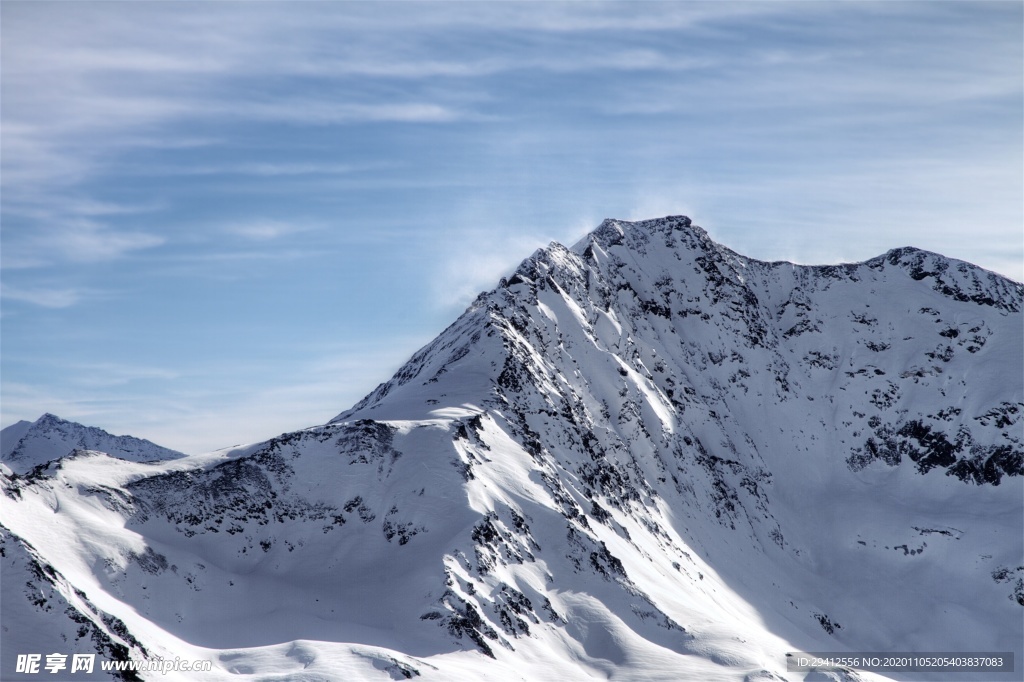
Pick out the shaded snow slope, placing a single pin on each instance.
(642, 457)
(28, 444)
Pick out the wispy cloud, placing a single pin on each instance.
(328, 112)
(108, 374)
(129, 77)
(261, 169)
(47, 298)
(90, 242)
(76, 240)
(133, 74)
(266, 230)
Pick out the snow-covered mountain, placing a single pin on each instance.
(25, 445)
(642, 457)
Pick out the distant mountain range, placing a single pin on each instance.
(28, 444)
(644, 457)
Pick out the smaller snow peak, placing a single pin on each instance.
(529, 270)
(50, 438)
(665, 225)
(636, 234)
(483, 297)
(955, 279)
(894, 256)
(917, 262)
(612, 229)
(543, 263)
(609, 233)
(677, 222)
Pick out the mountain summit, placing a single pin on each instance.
(641, 457)
(28, 444)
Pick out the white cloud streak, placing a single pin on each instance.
(266, 230)
(75, 240)
(47, 298)
(139, 69)
(261, 169)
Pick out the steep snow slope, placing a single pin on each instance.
(28, 444)
(644, 457)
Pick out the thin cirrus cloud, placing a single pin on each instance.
(410, 67)
(104, 93)
(74, 240)
(66, 110)
(266, 230)
(46, 298)
(121, 55)
(92, 242)
(262, 169)
(328, 112)
(69, 113)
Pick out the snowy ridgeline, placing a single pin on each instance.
(26, 445)
(644, 457)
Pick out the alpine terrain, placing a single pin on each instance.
(644, 457)
(26, 445)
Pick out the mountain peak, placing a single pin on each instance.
(657, 272)
(624, 459)
(26, 445)
(50, 419)
(615, 232)
(610, 227)
(955, 279)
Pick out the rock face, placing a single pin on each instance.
(642, 457)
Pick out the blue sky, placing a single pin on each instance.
(222, 221)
